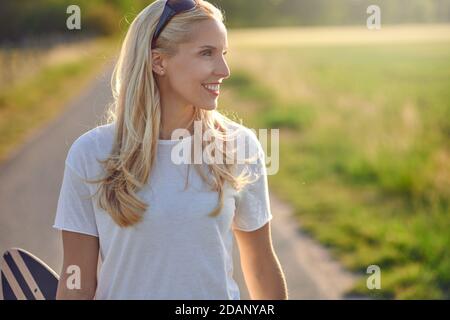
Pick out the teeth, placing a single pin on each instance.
(212, 87)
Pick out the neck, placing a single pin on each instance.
(175, 117)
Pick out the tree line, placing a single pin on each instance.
(31, 18)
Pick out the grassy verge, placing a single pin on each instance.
(364, 152)
(40, 98)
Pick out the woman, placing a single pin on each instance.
(164, 231)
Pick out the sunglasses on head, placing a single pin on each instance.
(171, 8)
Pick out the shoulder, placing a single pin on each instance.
(90, 146)
(246, 137)
(250, 154)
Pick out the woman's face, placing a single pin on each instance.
(197, 63)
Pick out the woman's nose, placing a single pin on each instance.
(223, 70)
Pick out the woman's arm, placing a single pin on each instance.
(262, 271)
(81, 251)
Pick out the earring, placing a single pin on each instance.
(162, 72)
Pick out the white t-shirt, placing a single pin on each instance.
(177, 251)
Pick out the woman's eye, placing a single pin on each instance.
(209, 53)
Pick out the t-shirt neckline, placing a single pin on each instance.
(172, 142)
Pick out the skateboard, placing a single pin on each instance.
(24, 276)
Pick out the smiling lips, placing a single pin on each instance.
(212, 88)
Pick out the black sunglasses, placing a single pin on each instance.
(171, 8)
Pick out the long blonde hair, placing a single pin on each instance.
(136, 111)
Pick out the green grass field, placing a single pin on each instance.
(364, 143)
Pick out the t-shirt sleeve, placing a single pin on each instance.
(75, 210)
(253, 204)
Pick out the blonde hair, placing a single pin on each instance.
(136, 111)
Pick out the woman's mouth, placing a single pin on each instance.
(212, 88)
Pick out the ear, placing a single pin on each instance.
(158, 62)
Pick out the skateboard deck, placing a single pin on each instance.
(24, 276)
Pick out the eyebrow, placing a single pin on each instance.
(210, 47)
